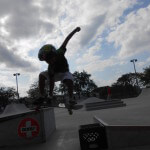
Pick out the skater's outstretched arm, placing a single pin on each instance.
(64, 44)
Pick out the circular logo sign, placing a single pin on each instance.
(28, 128)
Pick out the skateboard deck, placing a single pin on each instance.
(73, 107)
(70, 108)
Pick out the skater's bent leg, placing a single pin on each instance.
(51, 86)
(42, 79)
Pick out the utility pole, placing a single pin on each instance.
(133, 61)
(17, 74)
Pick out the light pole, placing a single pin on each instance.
(17, 74)
(133, 61)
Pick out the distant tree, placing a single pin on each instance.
(33, 92)
(82, 83)
(77, 83)
(127, 86)
(145, 77)
(90, 86)
(7, 94)
(56, 90)
(62, 89)
(129, 79)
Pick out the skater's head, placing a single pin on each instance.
(47, 53)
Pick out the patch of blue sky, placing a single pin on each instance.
(23, 79)
(111, 74)
(72, 65)
(142, 57)
(128, 67)
(140, 4)
(116, 71)
(44, 66)
(108, 50)
(125, 68)
(136, 7)
(34, 53)
(105, 76)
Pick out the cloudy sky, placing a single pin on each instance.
(112, 33)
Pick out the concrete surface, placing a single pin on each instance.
(66, 136)
(14, 109)
(136, 112)
(22, 126)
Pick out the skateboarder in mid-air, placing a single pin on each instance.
(58, 69)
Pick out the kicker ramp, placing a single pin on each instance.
(128, 126)
(121, 136)
(19, 125)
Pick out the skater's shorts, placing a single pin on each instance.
(59, 76)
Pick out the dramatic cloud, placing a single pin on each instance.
(25, 25)
(134, 34)
(90, 31)
(11, 60)
(25, 19)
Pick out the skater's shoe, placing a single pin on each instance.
(39, 101)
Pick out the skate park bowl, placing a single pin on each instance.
(129, 126)
(20, 126)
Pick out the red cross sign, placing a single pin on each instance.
(28, 128)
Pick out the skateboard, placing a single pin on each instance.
(69, 107)
(73, 107)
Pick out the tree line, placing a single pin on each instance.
(128, 85)
(83, 85)
(6, 95)
(125, 86)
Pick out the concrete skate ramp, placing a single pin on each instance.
(94, 103)
(136, 111)
(125, 136)
(92, 100)
(20, 126)
(14, 109)
(145, 94)
(130, 125)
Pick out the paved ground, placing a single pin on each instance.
(66, 135)
(136, 112)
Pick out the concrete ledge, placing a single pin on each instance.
(26, 128)
(104, 102)
(119, 136)
(104, 105)
(100, 121)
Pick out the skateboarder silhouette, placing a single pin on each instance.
(58, 68)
